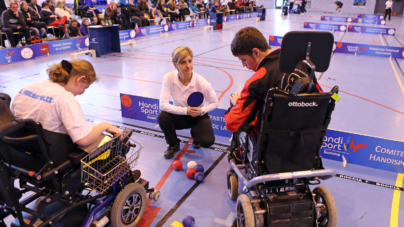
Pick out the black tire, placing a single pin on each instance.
(245, 214)
(233, 187)
(129, 206)
(323, 195)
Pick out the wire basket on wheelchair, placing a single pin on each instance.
(109, 163)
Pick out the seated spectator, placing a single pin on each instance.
(73, 30)
(194, 7)
(84, 26)
(92, 8)
(184, 9)
(34, 5)
(240, 3)
(31, 19)
(173, 11)
(202, 8)
(125, 14)
(238, 8)
(62, 11)
(51, 6)
(137, 17)
(13, 21)
(164, 12)
(50, 18)
(95, 21)
(112, 15)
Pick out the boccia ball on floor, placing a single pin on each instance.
(191, 173)
(199, 168)
(188, 221)
(199, 176)
(191, 164)
(177, 165)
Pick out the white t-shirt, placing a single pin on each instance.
(61, 13)
(51, 105)
(389, 4)
(172, 87)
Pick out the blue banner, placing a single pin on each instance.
(355, 48)
(339, 19)
(364, 150)
(371, 21)
(148, 109)
(327, 27)
(371, 16)
(371, 30)
(127, 34)
(35, 50)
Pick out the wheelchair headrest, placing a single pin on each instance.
(5, 113)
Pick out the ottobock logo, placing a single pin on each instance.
(302, 104)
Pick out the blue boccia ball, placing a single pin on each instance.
(199, 176)
(199, 168)
(188, 221)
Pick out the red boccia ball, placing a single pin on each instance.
(191, 173)
(177, 165)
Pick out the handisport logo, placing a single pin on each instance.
(349, 143)
(8, 56)
(302, 104)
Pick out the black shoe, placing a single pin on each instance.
(136, 175)
(171, 151)
(196, 145)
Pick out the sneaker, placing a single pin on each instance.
(196, 145)
(171, 150)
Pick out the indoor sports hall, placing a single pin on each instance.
(363, 148)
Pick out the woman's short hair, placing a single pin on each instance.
(73, 20)
(180, 53)
(22, 3)
(85, 19)
(80, 67)
(59, 2)
(246, 40)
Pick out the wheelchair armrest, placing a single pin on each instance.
(76, 156)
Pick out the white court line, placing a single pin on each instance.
(394, 69)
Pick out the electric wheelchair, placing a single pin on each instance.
(279, 161)
(58, 184)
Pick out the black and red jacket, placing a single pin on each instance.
(266, 76)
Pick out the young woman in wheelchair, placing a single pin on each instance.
(53, 104)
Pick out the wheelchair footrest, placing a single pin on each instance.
(284, 212)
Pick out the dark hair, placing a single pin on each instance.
(44, 4)
(246, 40)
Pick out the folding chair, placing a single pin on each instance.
(162, 17)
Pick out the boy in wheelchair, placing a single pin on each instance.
(39, 139)
(278, 122)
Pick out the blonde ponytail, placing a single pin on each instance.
(62, 72)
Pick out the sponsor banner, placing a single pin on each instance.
(364, 150)
(369, 50)
(201, 22)
(371, 21)
(355, 48)
(36, 50)
(182, 25)
(147, 109)
(231, 17)
(371, 30)
(127, 34)
(339, 19)
(371, 16)
(327, 27)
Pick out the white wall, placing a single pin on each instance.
(269, 4)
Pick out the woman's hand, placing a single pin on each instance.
(194, 111)
(234, 97)
(114, 131)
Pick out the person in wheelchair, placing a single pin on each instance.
(254, 52)
(53, 104)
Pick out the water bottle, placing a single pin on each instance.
(7, 43)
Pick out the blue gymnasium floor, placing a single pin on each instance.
(371, 104)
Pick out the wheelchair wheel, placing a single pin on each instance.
(245, 214)
(129, 206)
(232, 187)
(329, 218)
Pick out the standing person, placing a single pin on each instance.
(291, 2)
(339, 6)
(389, 7)
(31, 19)
(13, 21)
(303, 7)
(178, 85)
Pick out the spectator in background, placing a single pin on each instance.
(34, 5)
(31, 19)
(202, 8)
(62, 11)
(112, 15)
(238, 8)
(50, 18)
(291, 2)
(339, 6)
(138, 17)
(164, 12)
(84, 26)
(389, 7)
(3, 6)
(73, 30)
(95, 21)
(173, 11)
(193, 6)
(51, 6)
(13, 21)
(92, 8)
(125, 11)
(184, 9)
